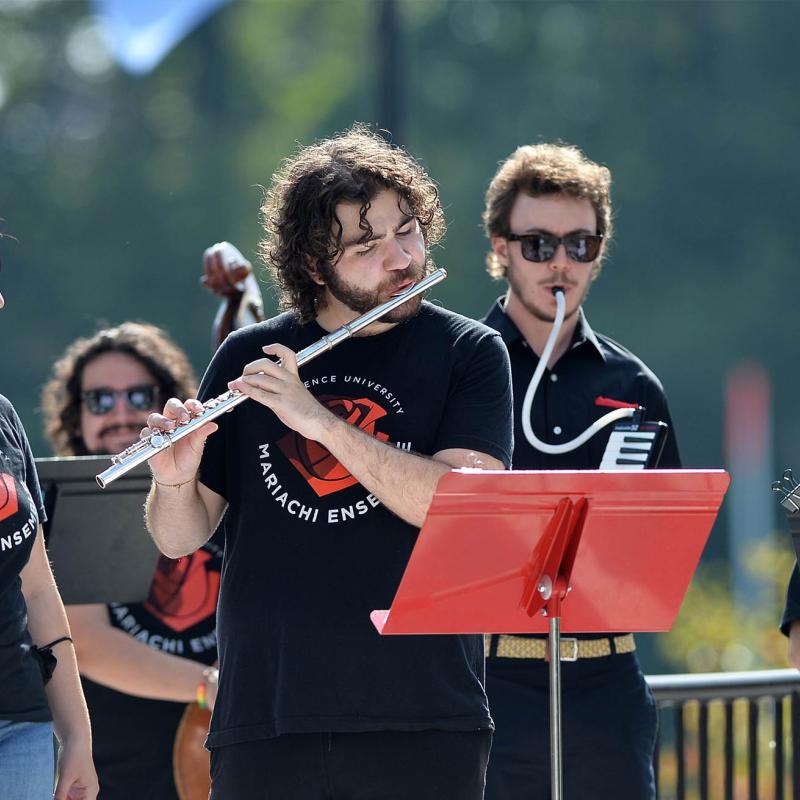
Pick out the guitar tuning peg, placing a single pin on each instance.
(787, 474)
(776, 487)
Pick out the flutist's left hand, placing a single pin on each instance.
(278, 387)
(179, 463)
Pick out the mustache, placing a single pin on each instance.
(414, 273)
(134, 429)
(564, 282)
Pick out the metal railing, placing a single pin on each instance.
(728, 735)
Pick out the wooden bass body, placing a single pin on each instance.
(191, 762)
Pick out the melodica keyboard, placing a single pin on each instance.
(634, 444)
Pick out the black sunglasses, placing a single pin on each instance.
(538, 247)
(140, 398)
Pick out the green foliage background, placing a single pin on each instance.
(113, 185)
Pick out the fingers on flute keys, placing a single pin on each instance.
(175, 411)
(177, 463)
(269, 375)
(283, 366)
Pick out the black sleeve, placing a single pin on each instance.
(215, 382)
(479, 414)
(657, 410)
(30, 477)
(791, 610)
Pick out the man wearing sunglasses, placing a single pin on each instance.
(548, 218)
(140, 663)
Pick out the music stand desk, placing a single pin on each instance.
(535, 551)
(96, 538)
(484, 540)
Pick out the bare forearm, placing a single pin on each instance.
(65, 696)
(116, 660)
(178, 519)
(48, 622)
(404, 482)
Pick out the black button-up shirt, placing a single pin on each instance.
(564, 405)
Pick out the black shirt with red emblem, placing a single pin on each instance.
(132, 736)
(310, 552)
(22, 696)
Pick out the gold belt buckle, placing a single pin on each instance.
(574, 642)
(571, 640)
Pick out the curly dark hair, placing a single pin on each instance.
(543, 169)
(148, 344)
(299, 210)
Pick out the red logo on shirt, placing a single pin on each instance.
(184, 591)
(9, 503)
(324, 473)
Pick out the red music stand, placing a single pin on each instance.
(535, 551)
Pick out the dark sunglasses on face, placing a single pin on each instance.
(140, 398)
(542, 246)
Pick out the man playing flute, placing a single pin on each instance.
(324, 481)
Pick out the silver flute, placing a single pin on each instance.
(148, 446)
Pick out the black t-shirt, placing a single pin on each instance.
(309, 553)
(564, 404)
(22, 696)
(133, 736)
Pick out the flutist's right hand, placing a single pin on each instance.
(179, 463)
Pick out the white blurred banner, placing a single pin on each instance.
(141, 32)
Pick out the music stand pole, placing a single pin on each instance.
(546, 590)
(552, 594)
(555, 708)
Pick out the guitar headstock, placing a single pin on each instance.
(788, 491)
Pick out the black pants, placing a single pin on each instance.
(609, 723)
(381, 765)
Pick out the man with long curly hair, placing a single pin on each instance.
(80, 420)
(326, 479)
(140, 663)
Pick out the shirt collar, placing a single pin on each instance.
(510, 333)
(585, 335)
(502, 323)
